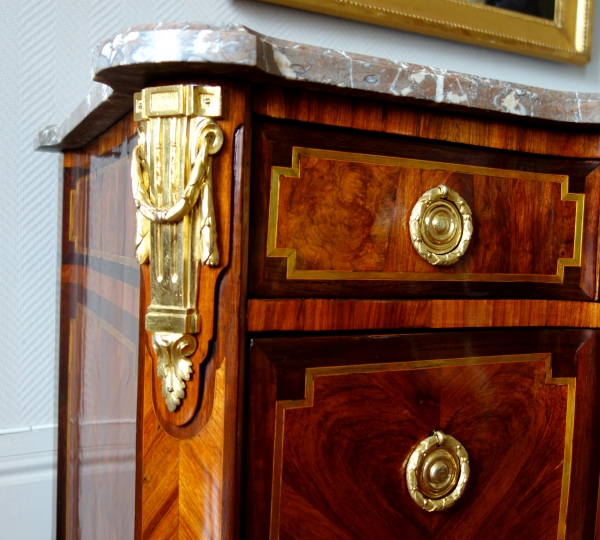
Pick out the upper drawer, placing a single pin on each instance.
(334, 214)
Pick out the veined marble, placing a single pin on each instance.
(126, 61)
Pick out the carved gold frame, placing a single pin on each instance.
(567, 38)
(309, 397)
(290, 253)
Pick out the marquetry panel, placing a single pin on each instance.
(332, 422)
(333, 221)
(371, 449)
(337, 215)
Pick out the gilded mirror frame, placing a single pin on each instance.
(567, 38)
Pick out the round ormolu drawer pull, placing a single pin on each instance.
(441, 226)
(437, 472)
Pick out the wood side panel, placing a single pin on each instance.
(349, 216)
(337, 315)
(102, 145)
(106, 429)
(98, 347)
(345, 449)
(63, 523)
(118, 292)
(102, 210)
(100, 433)
(359, 113)
(72, 470)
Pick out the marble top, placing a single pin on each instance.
(124, 63)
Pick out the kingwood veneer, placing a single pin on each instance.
(329, 349)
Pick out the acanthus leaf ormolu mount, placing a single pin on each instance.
(171, 173)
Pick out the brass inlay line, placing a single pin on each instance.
(309, 397)
(108, 327)
(290, 253)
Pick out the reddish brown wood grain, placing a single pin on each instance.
(581, 521)
(207, 449)
(117, 292)
(105, 144)
(391, 118)
(98, 204)
(158, 468)
(101, 431)
(348, 215)
(589, 249)
(99, 327)
(340, 460)
(335, 315)
(343, 457)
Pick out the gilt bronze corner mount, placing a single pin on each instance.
(171, 175)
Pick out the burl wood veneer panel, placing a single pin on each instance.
(332, 422)
(98, 343)
(332, 208)
(345, 216)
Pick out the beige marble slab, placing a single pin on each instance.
(132, 59)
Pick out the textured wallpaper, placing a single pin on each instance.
(45, 67)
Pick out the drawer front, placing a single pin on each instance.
(333, 422)
(330, 220)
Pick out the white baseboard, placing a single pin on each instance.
(28, 483)
(28, 473)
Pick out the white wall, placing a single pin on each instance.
(45, 67)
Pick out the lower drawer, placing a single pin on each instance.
(333, 421)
